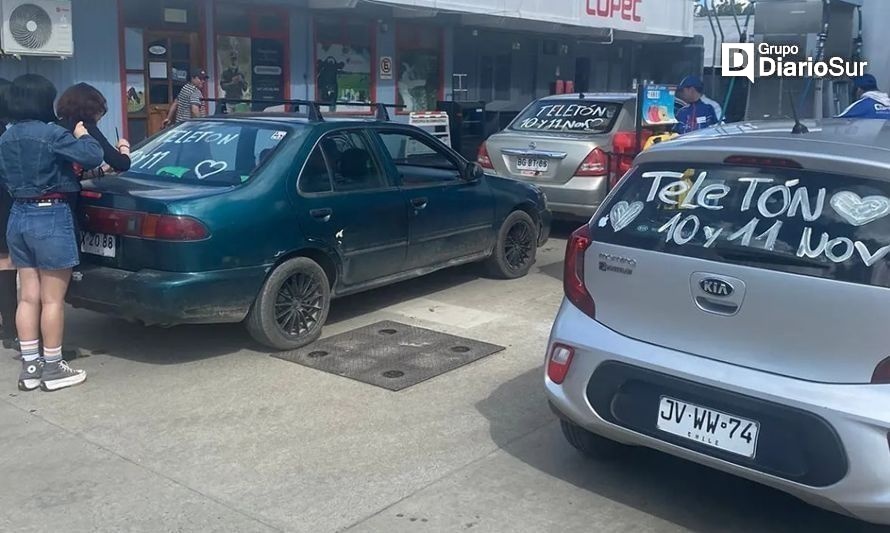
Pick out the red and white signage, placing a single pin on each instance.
(664, 17)
(615, 9)
(657, 17)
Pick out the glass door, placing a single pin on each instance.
(169, 57)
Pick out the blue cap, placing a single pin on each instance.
(866, 82)
(691, 81)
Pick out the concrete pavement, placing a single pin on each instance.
(198, 429)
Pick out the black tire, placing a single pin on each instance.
(292, 307)
(591, 444)
(516, 248)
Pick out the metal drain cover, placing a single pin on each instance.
(390, 355)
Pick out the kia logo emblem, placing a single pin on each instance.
(716, 287)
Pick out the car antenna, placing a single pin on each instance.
(580, 96)
(798, 128)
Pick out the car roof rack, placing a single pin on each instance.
(314, 107)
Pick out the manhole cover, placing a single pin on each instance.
(371, 354)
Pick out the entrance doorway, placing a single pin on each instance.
(169, 57)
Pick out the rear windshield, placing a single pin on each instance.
(215, 153)
(798, 221)
(579, 116)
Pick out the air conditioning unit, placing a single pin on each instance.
(37, 28)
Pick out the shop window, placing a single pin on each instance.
(419, 67)
(344, 61)
(250, 54)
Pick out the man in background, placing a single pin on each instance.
(697, 114)
(188, 103)
(870, 102)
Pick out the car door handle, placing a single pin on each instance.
(420, 203)
(321, 214)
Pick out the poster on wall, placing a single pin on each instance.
(233, 58)
(268, 72)
(135, 93)
(658, 105)
(343, 74)
(419, 80)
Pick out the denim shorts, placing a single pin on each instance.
(42, 236)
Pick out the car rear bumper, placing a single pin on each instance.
(577, 198)
(168, 298)
(826, 444)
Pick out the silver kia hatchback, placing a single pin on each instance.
(572, 146)
(729, 304)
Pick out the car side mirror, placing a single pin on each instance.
(473, 172)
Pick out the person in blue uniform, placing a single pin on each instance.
(697, 115)
(870, 103)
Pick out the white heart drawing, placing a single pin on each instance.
(623, 213)
(860, 211)
(215, 167)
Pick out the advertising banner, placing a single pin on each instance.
(658, 105)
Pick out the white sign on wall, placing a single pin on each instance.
(659, 17)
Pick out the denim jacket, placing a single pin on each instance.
(33, 155)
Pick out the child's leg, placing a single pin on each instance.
(28, 324)
(56, 372)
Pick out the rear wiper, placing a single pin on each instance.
(767, 258)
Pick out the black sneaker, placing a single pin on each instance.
(31, 375)
(59, 375)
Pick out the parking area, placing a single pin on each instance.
(199, 429)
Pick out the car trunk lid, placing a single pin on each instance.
(126, 223)
(778, 269)
(550, 140)
(542, 158)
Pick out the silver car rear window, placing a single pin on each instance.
(791, 220)
(569, 115)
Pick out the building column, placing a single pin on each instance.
(386, 47)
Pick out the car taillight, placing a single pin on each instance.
(754, 161)
(624, 148)
(483, 158)
(558, 362)
(882, 373)
(93, 195)
(594, 165)
(144, 225)
(174, 228)
(573, 275)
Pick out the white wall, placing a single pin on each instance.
(96, 59)
(875, 15)
(660, 17)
